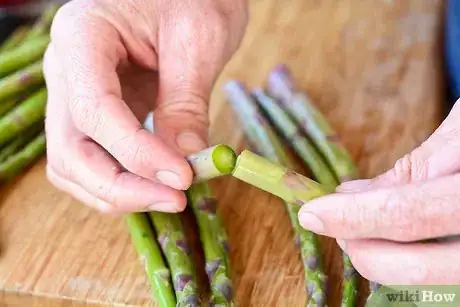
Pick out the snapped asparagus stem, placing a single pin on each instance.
(22, 80)
(315, 125)
(151, 258)
(15, 38)
(215, 243)
(15, 164)
(282, 86)
(212, 162)
(271, 174)
(171, 236)
(23, 55)
(43, 24)
(291, 132)
(27, 113)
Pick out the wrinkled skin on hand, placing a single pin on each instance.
(381, 223)
(111, 62)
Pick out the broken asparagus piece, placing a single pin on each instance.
(16, 83)
(15, 38)
(318, 129)
(27, 113)
(171, 237)
(314, 124)
(291, 132)
(268, 174)
(215, 244)
(23, 55)
(212, 162)
(15, 164)
(151, 258)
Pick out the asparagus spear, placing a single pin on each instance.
(212, 162)
(302, 146)
(15, 38)
(215, 244)
(22, 56)
(21, 80)
(23, 116)
(21, 140)
(271, 175)
(170, 235)
(42, 25)
(316, 126)
(150, 255)
(14, 165)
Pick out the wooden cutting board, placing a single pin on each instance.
(373, 67)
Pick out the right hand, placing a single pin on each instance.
(111, 62)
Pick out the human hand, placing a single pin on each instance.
(109, 63)
(378, 221)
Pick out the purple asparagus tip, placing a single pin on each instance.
(310, 289)
(191, 300)
(181, 281)
(226, 290)
(211, 268)
(183, 246)
(311, 263)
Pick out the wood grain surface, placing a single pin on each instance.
(373, 67)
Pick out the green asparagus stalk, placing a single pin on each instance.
(316, 126)
(215, 244)
(20, 141)
(15, 164)
(43, 24)
(302, 145)
(23, 116)
(151, 258)
(15, 38)
(212, 162)
(24, 55)
(8, 105)
(281, 86)
(22, 80)
(171, 236)
(271, 174)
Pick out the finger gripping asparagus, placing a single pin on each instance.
(150, 255)
(170, 235)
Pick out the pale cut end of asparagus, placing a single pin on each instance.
(290, 186)
(212, 162)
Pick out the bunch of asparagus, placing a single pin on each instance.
(285, 113)
(23, 96)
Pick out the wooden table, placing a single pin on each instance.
(373, 67)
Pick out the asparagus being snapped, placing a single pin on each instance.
(291, 132)
(150, 255)
(282, 86)
(27, 113)
(15, 164)
(269, 175)
(23, 55)
(212, 162)
(43, 24)
(215, 243)
(170, 235)
(20, 81)
(15, 38)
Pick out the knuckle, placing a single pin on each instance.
(85, 114)
(185, 102)
(410, 168)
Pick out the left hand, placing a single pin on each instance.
(378, 221)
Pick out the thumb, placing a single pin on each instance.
(438, 156)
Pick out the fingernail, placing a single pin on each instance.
(163, 206)
(311, 222)
(190, 142)
(170, 179)
(342, 244)
(353, 186)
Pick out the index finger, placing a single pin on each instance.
(90, 59)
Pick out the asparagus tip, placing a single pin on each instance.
(224, 158)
